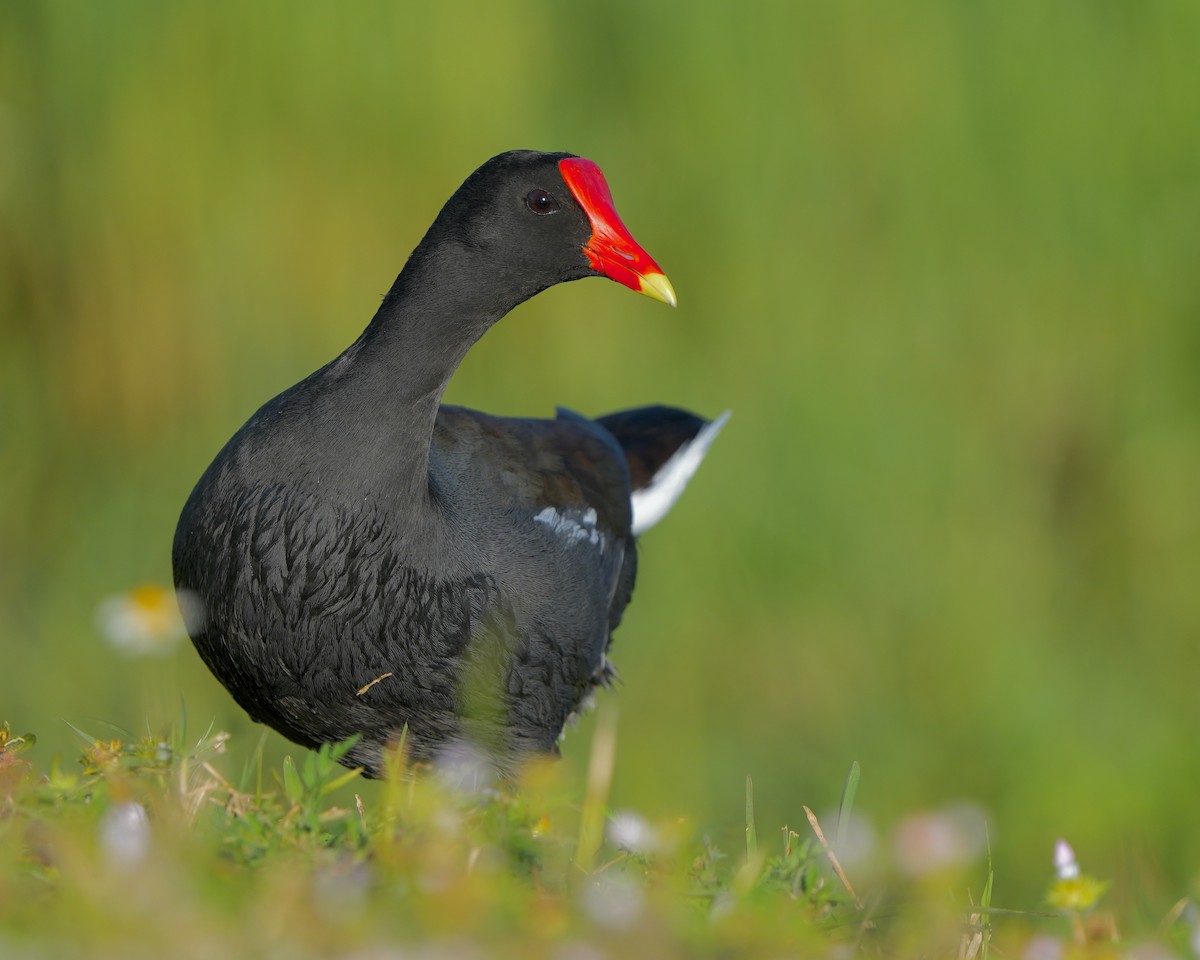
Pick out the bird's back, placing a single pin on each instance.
(484, 612)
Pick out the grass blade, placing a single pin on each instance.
(599, 782)
(292, 785)
(751, 833)
(847, 804)
(832, 855)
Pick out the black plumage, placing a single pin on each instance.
(363, 558)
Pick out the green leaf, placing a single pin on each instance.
(292, 785)
(335, 751)
(847, 804)
(345, 778)
(87, 737)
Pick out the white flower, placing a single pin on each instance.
(613, 901)
(629, 831)
(340, 887)
(144, 621)
(579, 950)
(464, 768)
(125, 834)
(1064, 861)
(926, 843)
(1043, 947)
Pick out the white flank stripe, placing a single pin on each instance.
(651, 503)
(580, 528)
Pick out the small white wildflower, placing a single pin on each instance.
(1148, 950)
(629, 831)
(925, 843)
(1073, 891)
(1064, 861)
(191, 607)
(1043, 947)
(341, 887)
(579, 950)
(722, 906)
(613, 901)
(125, 834)
(463, 768)
(144, 621)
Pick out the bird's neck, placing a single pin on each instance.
(442, 302)
(438, 308)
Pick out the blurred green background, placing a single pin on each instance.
(938, 257)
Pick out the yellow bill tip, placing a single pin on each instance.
(657, 285)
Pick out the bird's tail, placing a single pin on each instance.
(664, 447)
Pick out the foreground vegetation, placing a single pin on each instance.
(938, 257)
(150, 847)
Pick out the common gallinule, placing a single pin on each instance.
(362, 558)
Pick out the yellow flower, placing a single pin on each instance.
(102, 754)
(143, 621)
(1078, 893)
(1074, 891)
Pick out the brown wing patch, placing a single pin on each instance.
(565, 464)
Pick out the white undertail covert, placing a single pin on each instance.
(652, 502)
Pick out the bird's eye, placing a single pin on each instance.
(541, 202)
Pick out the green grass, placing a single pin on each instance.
(152, 844)
(938, 257)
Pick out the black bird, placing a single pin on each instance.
(359, 557)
